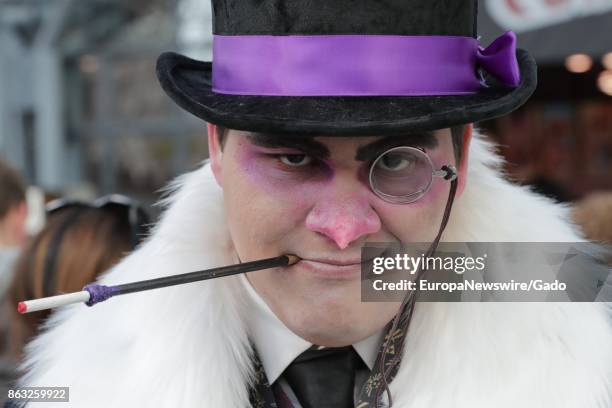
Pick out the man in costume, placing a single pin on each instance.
(313, 109)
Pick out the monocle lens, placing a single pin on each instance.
(401, 174)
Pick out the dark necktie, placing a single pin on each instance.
(324, 378)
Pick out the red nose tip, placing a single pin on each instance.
(21, 307)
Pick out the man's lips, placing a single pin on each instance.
(334, 262)
(338, 266)
(330, 270)
(338, 261)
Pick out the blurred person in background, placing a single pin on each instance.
(13, 214)
(594, 215)
(79, 242)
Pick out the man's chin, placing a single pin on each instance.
(332, 335)
(330, 323)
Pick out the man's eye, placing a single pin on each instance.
(295, 160)
(394, 162)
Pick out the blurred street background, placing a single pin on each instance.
(81, 112)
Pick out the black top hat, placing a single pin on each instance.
(349, 67)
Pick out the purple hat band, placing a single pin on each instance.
(359, 65)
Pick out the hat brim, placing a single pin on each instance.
(189, 83)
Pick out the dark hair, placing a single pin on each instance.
(12, 188)
(456, 134)
(221, 133)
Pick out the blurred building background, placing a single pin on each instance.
(81, 112)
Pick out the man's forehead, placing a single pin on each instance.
(367, 147)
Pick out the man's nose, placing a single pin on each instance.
(343, 218)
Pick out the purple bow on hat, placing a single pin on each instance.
(499, 59)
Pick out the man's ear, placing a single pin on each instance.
(465, 150)
(215, 153)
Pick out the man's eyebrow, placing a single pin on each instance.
(373, 150)
(303, 143)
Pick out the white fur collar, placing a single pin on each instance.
(187, 346)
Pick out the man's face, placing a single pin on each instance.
(311, 198)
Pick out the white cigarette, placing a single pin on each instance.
(52, 301)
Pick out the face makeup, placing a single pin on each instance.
(323, 212)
